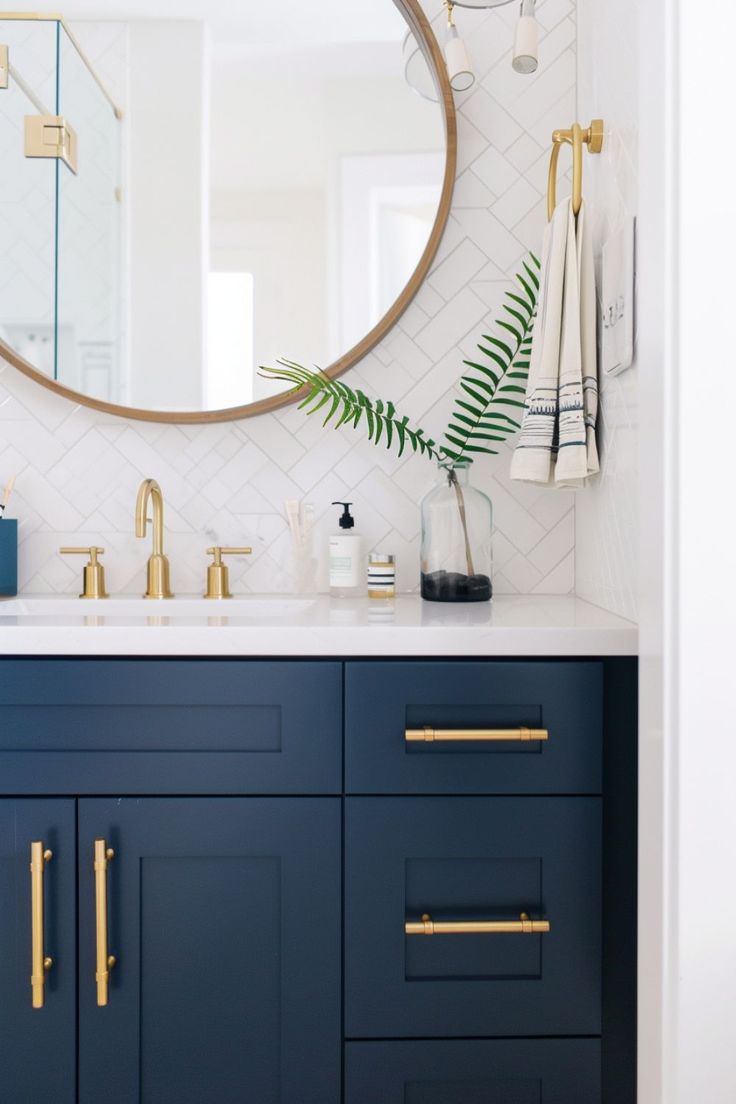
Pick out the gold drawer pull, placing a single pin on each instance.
(429, 735)
(105, 961)
(522, 926)
(40, 962)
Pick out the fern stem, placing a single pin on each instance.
(452, 478)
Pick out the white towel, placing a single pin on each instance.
(557, 440)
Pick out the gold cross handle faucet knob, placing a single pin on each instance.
(94, 572)
(218, 582)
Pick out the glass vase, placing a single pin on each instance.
(457, 522)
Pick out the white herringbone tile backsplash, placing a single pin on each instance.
(78, 470)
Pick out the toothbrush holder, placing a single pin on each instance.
(8, 557)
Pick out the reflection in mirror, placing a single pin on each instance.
(253, 181)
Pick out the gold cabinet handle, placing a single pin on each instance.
(522, 926)
(105, 961)
(40, 961)
(429, 735)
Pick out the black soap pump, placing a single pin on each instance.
(347, 575)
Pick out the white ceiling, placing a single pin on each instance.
(281, 22)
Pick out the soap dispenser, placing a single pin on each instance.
(346, 558)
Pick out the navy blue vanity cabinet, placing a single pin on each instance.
(323, 882)
(37, 1044)
(559, 1071)
(224, 917)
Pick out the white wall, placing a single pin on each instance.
(606, 514)
(701, 540)
(91, 339)
(303, 119)
(676, 90)
(658, 810)
(276, 184)
(279, 237)
(376, 261)
(625, 543)
(168, 210)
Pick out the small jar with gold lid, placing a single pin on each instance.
(381, 575)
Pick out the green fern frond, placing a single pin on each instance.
(345, 406)
(479, 420)
(498, 382)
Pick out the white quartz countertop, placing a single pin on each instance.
(283, 626)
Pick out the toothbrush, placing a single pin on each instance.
(292, 516)
(307, 523)
(6, 495)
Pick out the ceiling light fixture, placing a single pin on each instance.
(459, 64)
(526, 48)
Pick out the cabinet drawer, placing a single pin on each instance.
(170, 726)
(473, 861)
(477, 1072)
(505, 706)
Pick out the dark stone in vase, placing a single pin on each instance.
(447, 586)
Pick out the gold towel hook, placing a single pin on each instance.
(577, 137)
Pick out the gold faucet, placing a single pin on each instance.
(158, 564)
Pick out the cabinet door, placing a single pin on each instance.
(224, 917)
(37, 1044)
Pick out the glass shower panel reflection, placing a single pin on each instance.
(90, 337)
(28, 195)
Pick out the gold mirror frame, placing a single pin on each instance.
(422, 30)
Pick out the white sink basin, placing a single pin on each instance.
(136, 607)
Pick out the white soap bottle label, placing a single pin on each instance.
(345, 561)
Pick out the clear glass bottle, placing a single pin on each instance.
(457, 521)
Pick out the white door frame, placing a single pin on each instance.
(687, 300)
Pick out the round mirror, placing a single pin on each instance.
(193, 190)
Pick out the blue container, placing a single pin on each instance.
(8, 557)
